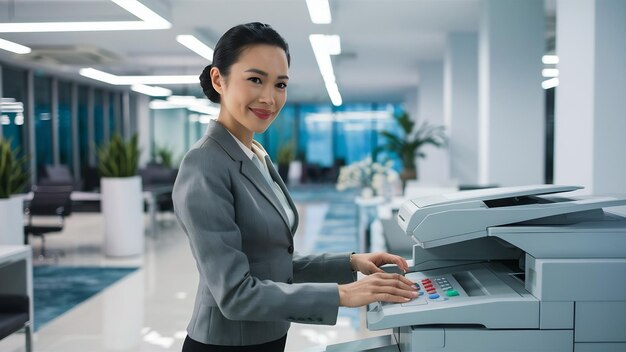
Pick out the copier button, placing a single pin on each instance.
(452, 293)
(433, 296)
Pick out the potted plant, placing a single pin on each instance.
(286, 154)
(164, 156)
(407, 146)
(122, 199)
(13, 178)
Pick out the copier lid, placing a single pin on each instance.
(491, 194)
(465, 215)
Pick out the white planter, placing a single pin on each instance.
(122, 207)
(11, 221)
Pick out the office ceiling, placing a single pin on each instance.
(383, 42)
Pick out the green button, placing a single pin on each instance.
(451, 293)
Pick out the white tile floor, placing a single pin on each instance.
(149, 309)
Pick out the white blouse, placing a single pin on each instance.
(257, 156)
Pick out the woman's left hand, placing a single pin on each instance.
(369, 263)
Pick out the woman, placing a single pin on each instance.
(240, 219)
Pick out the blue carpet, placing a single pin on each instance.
(58, 289)
(339, 231)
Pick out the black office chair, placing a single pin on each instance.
(14, 316)
(48, 201)
(59, 175)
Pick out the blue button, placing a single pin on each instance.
(433, 296)
(421, 293)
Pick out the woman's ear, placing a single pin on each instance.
(216, 79)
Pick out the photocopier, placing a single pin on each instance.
(508, 269)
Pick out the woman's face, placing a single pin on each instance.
(255, 90)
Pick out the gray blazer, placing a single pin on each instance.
(252, 284)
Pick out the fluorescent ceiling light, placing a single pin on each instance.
(550, 59)
(151, 90)
(130, 80)
(14, 47)
(333, 43)
(201, 106)
(550, 83)
(173, 79)
(148, 20)
(322, 56)
(99, 75)
(195, 45)
(333, 93)
(320, 44)
(550, 72)
(319, 10)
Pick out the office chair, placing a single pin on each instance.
(48, 201)
(14, 316)
(59, 175)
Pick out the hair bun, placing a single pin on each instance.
(207, 85)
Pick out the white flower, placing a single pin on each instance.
(366, 174)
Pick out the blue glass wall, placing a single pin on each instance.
(83, 127)
(13, 104)
(98, 118)
(65, 124)
(43, 122)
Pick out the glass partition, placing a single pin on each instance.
(65, 124)
(13, 105)
(43, 122)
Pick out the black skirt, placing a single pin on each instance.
(191, 345)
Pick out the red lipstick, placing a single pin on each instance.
(262, 113)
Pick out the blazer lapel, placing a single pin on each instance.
(276, 177)
(250, 171)
(219, 133)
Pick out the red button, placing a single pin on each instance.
(431, 290)
(428, 285)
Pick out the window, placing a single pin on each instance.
(65, 124)
(13, 102)
(43, 122)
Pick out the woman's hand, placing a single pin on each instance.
(377, 287)
(369, 263)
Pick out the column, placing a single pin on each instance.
(434, 168)
(590, 102)
(460, 76)
(511, 100)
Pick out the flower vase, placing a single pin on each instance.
(367, 192)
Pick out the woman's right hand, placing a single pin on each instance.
(377, 287)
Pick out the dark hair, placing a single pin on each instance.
(230, 46)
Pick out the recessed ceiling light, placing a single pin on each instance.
(148, 20)
(550, 72)
(319, 10)
(195, 45)
(130, 80)
(151, 90)
(550, 59)
(14, 47)
(550, 83)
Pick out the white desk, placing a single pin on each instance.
(366, 214)
(16, 274)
